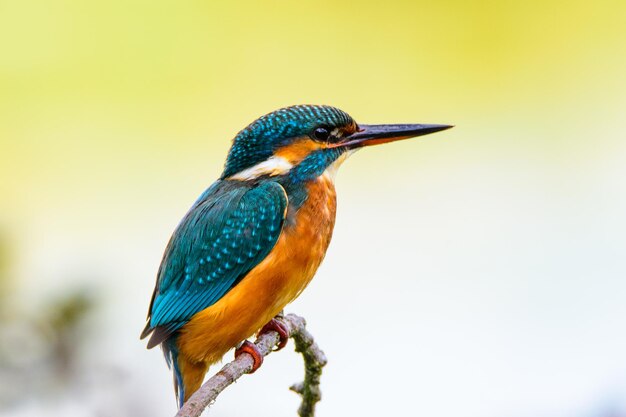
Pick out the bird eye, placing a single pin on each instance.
(321, 133)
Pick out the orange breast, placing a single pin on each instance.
(271, 285)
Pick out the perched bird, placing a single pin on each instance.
(254, 239)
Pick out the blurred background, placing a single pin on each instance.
(479, 272)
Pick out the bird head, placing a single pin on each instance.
(304, 141)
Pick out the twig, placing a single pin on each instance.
(314, 361)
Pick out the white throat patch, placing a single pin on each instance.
(331, 171)
(276, 165)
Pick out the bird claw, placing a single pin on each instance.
(252, 350)
(276, 326)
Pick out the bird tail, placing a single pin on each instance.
(188, 375)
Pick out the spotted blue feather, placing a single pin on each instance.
(227, 232)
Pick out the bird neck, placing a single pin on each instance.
(314, 165)
(315, 171)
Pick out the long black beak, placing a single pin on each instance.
(368, 135)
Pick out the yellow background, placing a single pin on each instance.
(488, 259)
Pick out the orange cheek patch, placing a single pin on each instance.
(350, 129)
(298, 150)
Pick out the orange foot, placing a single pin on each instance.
(252, 350)
(278, 327)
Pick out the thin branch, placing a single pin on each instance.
(314, 361)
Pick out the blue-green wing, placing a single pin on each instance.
(228, 231)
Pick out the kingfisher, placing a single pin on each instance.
(254, 239)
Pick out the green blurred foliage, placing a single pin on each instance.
(39, 347)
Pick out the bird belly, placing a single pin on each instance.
(271, 285)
